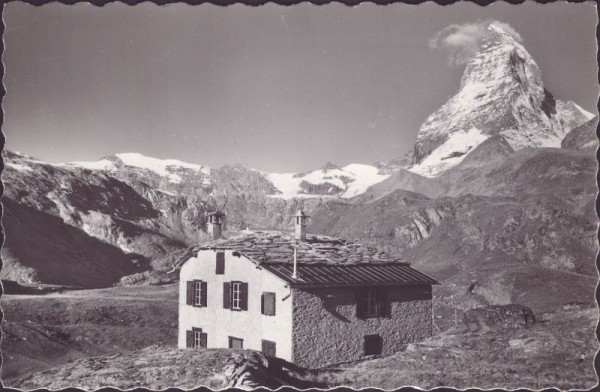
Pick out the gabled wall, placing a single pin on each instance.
(219, 323)
(326, 328)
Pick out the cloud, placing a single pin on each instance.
(464, 40)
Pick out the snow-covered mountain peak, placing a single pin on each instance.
(175, 175)
(501, 92)
(347, 181)
(172, 170)
(159, 166)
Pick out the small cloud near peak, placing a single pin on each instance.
(462, 41)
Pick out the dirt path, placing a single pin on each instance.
(8, 297)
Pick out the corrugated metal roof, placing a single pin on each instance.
(348, 275)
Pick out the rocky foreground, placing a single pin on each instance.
(549, 354)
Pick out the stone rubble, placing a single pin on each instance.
(278, 247)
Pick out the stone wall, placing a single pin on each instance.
(326, 329)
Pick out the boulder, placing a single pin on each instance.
(498, 316)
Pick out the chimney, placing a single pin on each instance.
(301, 220)
(214, 224)
(295, 273)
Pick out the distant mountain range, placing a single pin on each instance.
(496, 199)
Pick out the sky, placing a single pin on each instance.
(274, 88)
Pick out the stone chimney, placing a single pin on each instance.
(214, 224)
(301, 220)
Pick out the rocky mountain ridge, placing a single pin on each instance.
(501, 93)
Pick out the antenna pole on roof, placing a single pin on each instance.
(294, 274)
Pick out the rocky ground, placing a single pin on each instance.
(45, 331)
(126, 338)
(556, 352)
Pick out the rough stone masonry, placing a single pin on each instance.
(326, 328)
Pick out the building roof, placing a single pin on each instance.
(320, 259)
(278, 247)
(314, 275)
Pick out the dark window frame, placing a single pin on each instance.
(265, 344)
(220, 263)
(372, 345)
(263, 308)
(233, 338)
(370, 302)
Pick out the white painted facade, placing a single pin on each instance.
(219, 323)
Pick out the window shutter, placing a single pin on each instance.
(244, 296)
(203, 340)
(268, 307)
(190, 293)
(189, 339)
(360, 302)
(203, 294)
(262, 304)
(220, 263)
(227, 295)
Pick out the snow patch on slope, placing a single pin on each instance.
(103, 164)
(167, 192)
(450, 153)
(169, 168)
(16, 166)
(587, 114)
(162, 167)
(159, 166)
(353, 179)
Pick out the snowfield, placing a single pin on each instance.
(587, 114)
(18, 167)
(353, 179)
(159, 166)
(450, 153)
(163, 167)
(103, 164)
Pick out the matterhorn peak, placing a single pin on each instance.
(501, 93)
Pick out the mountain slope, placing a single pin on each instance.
(583, 137)
(499, 218)
(80, 227)
(501, 93)
(110, 219)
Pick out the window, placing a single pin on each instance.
(267, 304)
(195, 338)
(373, 345)
(269, 348)
(235, 295)
(370, 302)
(196, 293)
(236, 342)
(220, 263)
